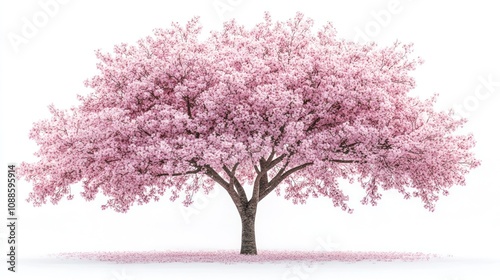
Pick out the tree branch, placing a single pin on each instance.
(255, 194)
(271, 156)
(346, 160)
(197, 170)
(217, 178)
(236, 182)
(275, 161)
(280, 177)
(264, 179)
(313, 124)
(188, 105)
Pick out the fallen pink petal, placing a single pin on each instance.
(235, 257)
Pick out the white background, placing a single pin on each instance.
(459, 43)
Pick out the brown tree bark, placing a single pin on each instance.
(248, 242)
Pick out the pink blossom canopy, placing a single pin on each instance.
(168, 109)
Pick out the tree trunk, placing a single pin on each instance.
(248, 244)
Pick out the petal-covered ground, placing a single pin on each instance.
(235, 257)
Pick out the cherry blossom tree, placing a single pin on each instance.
(278, 107)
